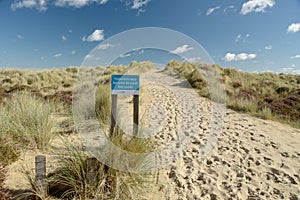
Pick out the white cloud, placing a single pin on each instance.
(268, 47)
(96, 36)
(229, 8)
(238, 57)
(41, 5)
(105, 46)
(125, 55)
(77, 3)
(38, 4)
(296, 56)
(211, 10)
(141, 51)
(137, 4)
(256, 6)
(182, 49)
(242, 38)
(88, 57)
(57, 55)
(138, 51)
(238, 38)
(192, 60)
(290, 70)
(20, 37)
(73, 52)
(293, 28)
(64, 38)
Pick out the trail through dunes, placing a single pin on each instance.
(252, 158)
(203, 152)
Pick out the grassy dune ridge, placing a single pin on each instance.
(265, 95)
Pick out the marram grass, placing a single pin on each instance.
(28, 120)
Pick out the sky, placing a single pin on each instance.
(250, 35)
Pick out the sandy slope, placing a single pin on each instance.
(253, 158)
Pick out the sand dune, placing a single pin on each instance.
(250, 158)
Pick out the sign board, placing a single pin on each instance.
(125, 84)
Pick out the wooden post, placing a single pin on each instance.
(93, 166)
(40, 173)
(114, 105)
(135, 114)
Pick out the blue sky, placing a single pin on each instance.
(251, 35)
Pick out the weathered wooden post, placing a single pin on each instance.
(93, 166)
(135, 114)
(114, 106)
(40, 173)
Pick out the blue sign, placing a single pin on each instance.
(125, 84)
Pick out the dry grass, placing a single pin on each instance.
(27, 119)
(3, 193)
(103, 104)
(264, 95)
(70, 179)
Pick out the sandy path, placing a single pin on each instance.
(253, 158)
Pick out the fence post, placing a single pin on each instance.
(114, 125)
(135, 114)
(93, 166)
(40, 173)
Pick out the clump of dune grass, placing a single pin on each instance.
(28, 120)
(35, 189)
(71, 179)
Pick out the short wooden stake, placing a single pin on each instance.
(135, 114)
(40, 173)
(93, 166)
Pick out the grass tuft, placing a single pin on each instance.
(27, 119)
